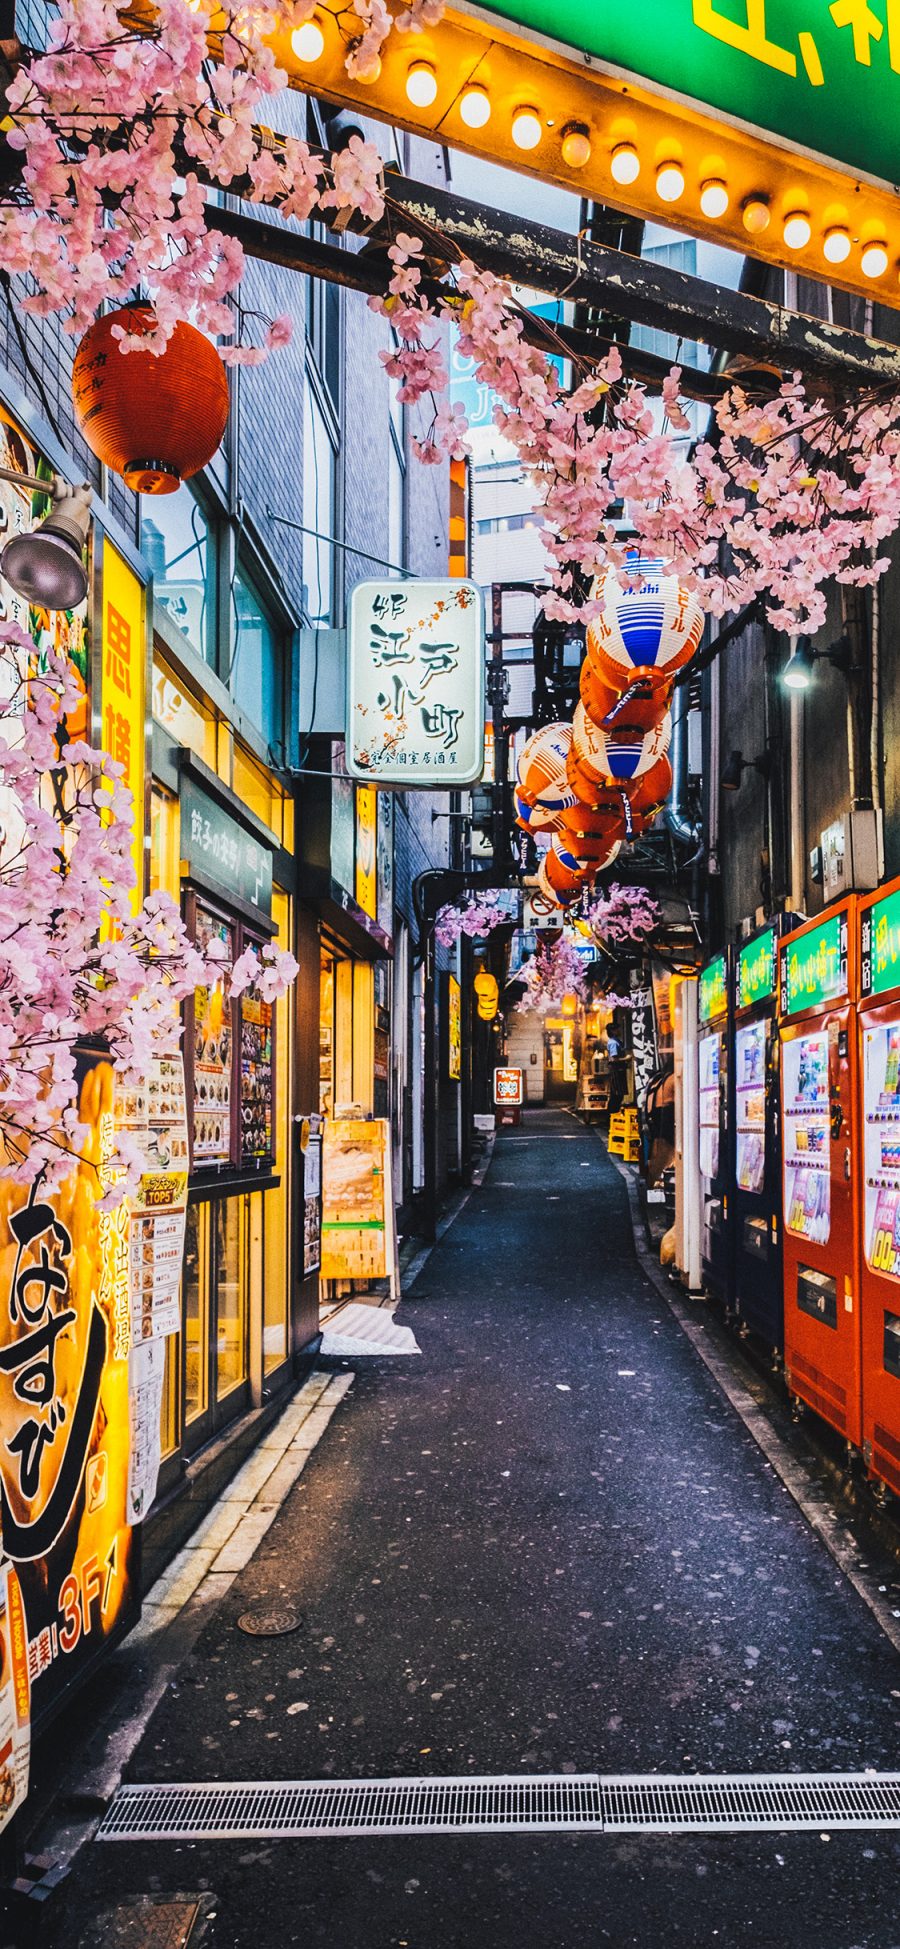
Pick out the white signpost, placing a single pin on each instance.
(415, 684)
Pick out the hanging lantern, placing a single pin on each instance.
(629, 710)
(653, 623)
(541, 774)
(648, 794)
(487, 994)
(154, 420)
(590, 834)
(618, 758)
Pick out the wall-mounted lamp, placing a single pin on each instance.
(800, 668)
(733, 773)
(47, 566)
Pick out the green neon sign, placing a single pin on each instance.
(823, 77)
(756, 969)
(814, 966)
(880, 931)
(713, 989)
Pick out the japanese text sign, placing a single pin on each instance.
(797, 69)
(756, 969)
(217, 848)
(123, 682)
(454, 1029)
(880, 945)
(415, 686)
(713, 989)
(814, 966)
(508, 1086)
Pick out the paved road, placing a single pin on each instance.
(547, 1544)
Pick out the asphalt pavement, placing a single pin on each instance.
(547, 1543)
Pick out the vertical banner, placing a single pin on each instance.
(366, 850)
(454, 1029)
(123, 684)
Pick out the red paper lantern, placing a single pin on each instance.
(154, 420)
(626, 708)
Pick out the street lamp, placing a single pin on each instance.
(46, 565)
(737, 764)
(799, 670)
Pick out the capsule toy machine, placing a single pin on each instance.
(714, 1110)
(817, 994)
(756, 1137)
(879, 1066)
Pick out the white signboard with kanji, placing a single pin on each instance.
(415, 684)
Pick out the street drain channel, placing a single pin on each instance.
(624, 1803)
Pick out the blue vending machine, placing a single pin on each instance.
(716, 1179)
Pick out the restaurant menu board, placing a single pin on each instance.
(146, 1370)
(15, 1697)
(355, 1240)
(212, 1055)
(256, 1078)
(159, 1206)
(807, 1148)
(312, 1198)
(881, 1152)
(750, 1104)
(710, 1053)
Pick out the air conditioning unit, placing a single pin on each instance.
(852, 854)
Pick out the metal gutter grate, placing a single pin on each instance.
(627, 1803)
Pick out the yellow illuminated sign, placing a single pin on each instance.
(366, 855)
(123, 686)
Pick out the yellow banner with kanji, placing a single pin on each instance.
(122, 687)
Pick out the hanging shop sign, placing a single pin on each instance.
(65, 1410)
(756, 969)
(765, 125)
(713, 989)
(880, 945)
(357, 1231)
(366, 847)
(814, 966)
(415, 686)
(123, 687)
(218, 849)
(454, 1029)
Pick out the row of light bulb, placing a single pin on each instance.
(527, 130)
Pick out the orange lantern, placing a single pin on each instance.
(648, 794)
(628, 709)
(154, 420)
(590, 834)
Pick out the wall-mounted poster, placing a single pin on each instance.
(312, 1197)
(212, 1054)
(159, 1205)
(257, 1081)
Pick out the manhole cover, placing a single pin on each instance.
(276, 1622)
(146, 1923)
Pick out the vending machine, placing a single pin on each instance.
(817, 993)
(879, 1063)
(715, 1159)
(757, 1138)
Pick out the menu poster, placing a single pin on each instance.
(807, 1144)
(881, 1147)
(159, 1207)
(212, 1055)
(15, 1697)
(312, 1203)
(355, 1239)
(146, 1371)
(750, 1093)
(710, 1052)
(256, 1077)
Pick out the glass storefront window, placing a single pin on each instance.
(177, 541)
(195, 1311)
(230, 1219)
(255, 671)
(276, 1217)
(212, 1065)
(319, 512)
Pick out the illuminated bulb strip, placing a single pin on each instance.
(475, 108)
(874, 260)
(625, 164)
(421, 85)
(836, 247)
(797, 230)
(713, 198)
(669, 182)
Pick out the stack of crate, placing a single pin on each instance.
(624, 1140)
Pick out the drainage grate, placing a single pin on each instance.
(512, 1803)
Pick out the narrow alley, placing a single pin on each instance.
(545, 1544)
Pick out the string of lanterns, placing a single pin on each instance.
(590, 785)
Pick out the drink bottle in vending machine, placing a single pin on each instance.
(879, 1063)
(817, 993)
(756, 1136)
(713, 1007)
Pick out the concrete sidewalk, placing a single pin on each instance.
(550, 1543)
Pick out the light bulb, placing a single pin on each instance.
(576, 146)
(475, 108)
(625, 164)
(797, 230)
(714, 197)
(836, 246)
(308, 41)
(526, 128)
(755, 216)
(421, 85)
(370, 72)
(874, 259)
(669, 182)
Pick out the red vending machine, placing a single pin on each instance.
(879, 1065)
(818, 974)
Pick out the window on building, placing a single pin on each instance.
(178, 541)
(255, 676)
(397, 483)
(319, 511)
